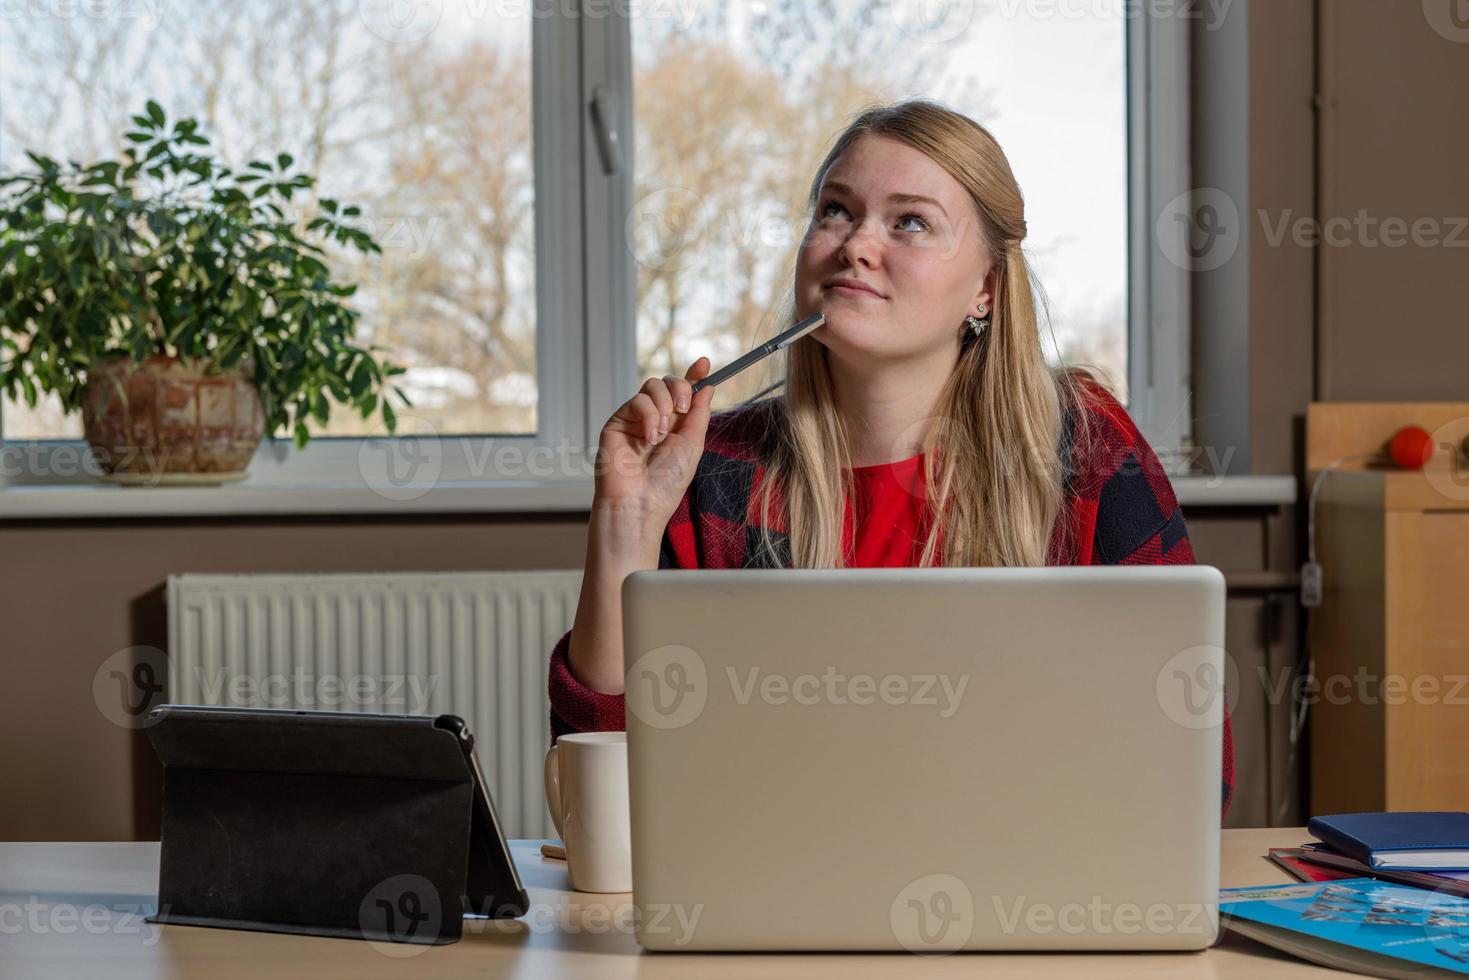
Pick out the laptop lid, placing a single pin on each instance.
(929, 759)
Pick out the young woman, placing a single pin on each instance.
(919, 426)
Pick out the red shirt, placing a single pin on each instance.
(887, 506)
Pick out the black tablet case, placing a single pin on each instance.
(318, 823)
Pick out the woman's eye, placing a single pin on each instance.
(827, 206)
(916, 218)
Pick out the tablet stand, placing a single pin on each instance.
(362, 837)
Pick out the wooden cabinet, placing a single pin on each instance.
(1389, 700)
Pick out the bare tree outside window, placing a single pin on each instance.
(735, 104)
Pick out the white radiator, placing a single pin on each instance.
(474, 644)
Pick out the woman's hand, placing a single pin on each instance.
(648, 452)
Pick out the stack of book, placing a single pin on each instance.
(1386, 894)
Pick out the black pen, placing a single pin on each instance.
(792, 335)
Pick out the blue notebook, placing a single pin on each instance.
(1403, 841)
(1357, 924)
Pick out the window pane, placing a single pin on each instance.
(735, 108)
(418, 112)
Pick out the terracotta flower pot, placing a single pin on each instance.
(166, 420)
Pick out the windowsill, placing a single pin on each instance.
(1235, 491)
(107, 501)
(93, 501)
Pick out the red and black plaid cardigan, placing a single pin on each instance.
(1119, 509)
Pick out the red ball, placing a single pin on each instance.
(1410, 448)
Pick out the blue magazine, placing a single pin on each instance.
(1356, 923)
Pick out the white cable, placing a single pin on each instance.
(1315, 489)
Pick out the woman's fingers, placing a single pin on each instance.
(657, 389)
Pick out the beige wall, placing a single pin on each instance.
(1394, 321)
(1359, 320)
(78, 591)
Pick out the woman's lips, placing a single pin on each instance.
(852, 291)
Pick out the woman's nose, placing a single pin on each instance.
(863, 244)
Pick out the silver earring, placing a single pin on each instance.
(976, 325)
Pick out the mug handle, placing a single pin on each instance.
(553, 788)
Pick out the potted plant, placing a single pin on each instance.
(180, 305)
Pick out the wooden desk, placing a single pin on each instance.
(46, 930)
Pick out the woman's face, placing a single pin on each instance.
(919, 250)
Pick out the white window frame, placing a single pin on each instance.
(586, 339)
(1159, 294)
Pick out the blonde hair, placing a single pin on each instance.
(992, 462)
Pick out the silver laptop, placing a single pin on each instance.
(932, 759)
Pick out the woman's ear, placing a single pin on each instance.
(986, 294)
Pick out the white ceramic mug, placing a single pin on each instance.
(586, 792)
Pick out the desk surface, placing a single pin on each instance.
(74, 910)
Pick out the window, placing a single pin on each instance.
(570, 202)
(419, 113)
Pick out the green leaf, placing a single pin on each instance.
(155, 114)
(284, 160)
